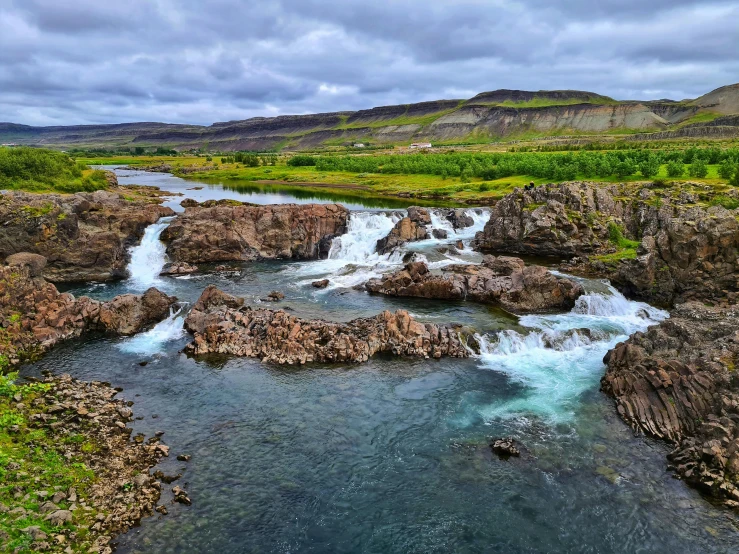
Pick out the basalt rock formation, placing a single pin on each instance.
(234, 231)
(687, 249)
(84, 236)
(503, 281)
(678, 382)
(222, 324)
(35, 316)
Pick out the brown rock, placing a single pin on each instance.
(321, 284)
(410, 228)
(233, 231)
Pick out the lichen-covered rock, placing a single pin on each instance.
(678, 382)
(503, 281)
(222, 324)
(234, 231)
(687, 251)
(84, 236)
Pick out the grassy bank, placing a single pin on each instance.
(40, 170)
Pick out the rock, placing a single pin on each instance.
(141, 480)
(439, 233)
(183, 457)
(459, 218)
(37, 316)
(321, 284)
(505, 447)
(178, 268)
(275, 296)
(35, 533)
(189, 203)
(503, 281)
(459, 245)
(676, 382)
(35, 262)
(83, 237)
(410, 228)
(233, 231)
(128, 313)
(278, 337)
(60, 517)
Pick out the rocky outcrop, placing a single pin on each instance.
(178, 268)
(678, 382)
(222, 324)
(245, 232)
(410, 228)
(35, 316)
(84, 236)
(503, 281)
(688, 249)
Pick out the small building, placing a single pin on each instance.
(416, 145)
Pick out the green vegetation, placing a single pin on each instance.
(626, 247)
(46, 170)
(31, 462)
(726, 201)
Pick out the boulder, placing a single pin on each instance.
(408, 229)
(439, 233)
(503, 281)
(178, 268)
(320, 284)
(35, 262)
(129, 313)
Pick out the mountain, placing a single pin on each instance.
(489, 116)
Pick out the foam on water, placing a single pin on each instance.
(561, 357)
(154, 341)
(149, 257)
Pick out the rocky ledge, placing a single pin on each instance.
(233, 231)
(678, 382)
(81, 429)
(502, 281)
(222, 324)
(84, 236)
(35, 316)
(659, 244)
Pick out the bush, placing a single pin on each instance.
(40, 169)
(726, 169)
(726, 201)
(649, 167)
(301, 160)
(675, 169)
(698, 169)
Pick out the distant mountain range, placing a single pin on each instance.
(489, 116)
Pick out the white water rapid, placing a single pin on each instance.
(154, 340)
(561, 357)
(353, 260)
(149, 257)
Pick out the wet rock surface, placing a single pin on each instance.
(83, 236)
(505, 448)
(178, 268)
(222, 324)
(678, 382)
(233, 231)
(35, 316)
(503, 281)
(410, 228)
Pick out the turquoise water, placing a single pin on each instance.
(392, 456)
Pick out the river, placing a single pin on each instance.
(391, 456)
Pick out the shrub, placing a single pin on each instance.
(726, 201)
(301, 160)
(726, 169)
(698, 169)
(675, 169)
(649, 167)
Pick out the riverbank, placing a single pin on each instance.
(70, 477)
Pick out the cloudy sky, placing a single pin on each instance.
(188, 61)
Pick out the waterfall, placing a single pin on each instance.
(149, 257)
(560, 357)
(479, 217)
(152, 341)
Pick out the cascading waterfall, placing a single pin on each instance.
(153, 341)
(562, 356)
(353, 259)
(149, 257)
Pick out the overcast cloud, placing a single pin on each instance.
(188, 61)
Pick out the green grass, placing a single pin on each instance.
(30, 461)
(704, 117)
(422, 120)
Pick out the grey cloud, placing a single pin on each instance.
(88, 61)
